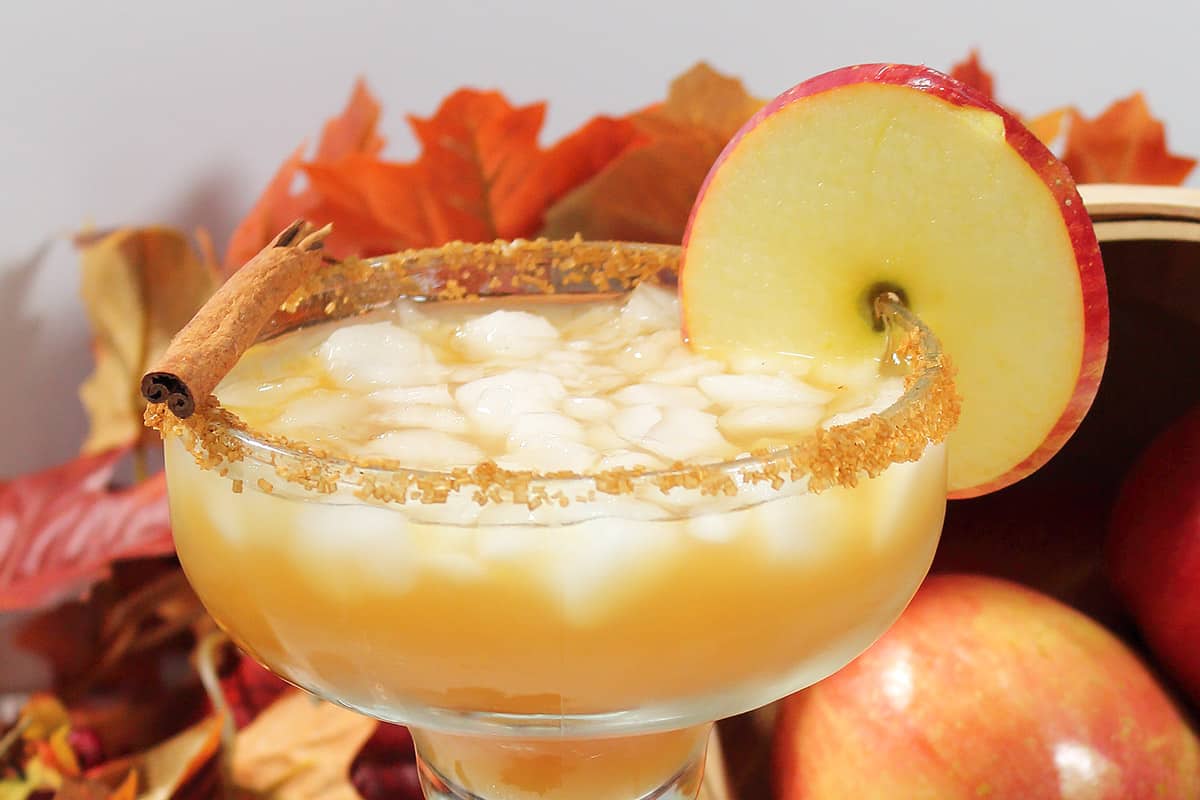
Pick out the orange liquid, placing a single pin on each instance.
(415, 617)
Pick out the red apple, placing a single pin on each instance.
(984, 688)
(1153, 551)
(899, 177)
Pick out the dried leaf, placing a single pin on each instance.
(1048, 126)
(139, 286)
(61, 528)
(351, 132)
(704, 98)
(300, 748)
(250, 688)
(272, 212)
(42, 715)
(1125, 144)
(971, 72)
(386, 767)
(163, 769)
(481, 175)
(646, 194)
(88, 789)
(354, 130)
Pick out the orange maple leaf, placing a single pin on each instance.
(647, 193)
(971, 72)
(481, 175)
(352, 131)
(1125, 144)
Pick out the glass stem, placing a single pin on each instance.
(657, 766)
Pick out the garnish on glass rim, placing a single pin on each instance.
(206, 349)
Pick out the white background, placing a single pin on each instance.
(154, 111)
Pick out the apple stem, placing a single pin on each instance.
(881, 295)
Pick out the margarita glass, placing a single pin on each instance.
(375, 585)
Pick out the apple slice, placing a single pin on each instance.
(899, 177)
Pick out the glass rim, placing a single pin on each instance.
(840, 455)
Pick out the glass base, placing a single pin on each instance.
(660, 766)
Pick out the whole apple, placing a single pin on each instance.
(985, 688)
(1153, 551)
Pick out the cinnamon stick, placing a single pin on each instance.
(210, 344)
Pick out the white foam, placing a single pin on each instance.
(547, 442)
(424, 415)
(590, 562)
(633, 423)
(646, 353)
(683, 368)
(628, 459)
(650, 308)
(326, 413)
(733, 391)
(425, 449)
(505, 334)
(437, 395)
(332, 538)
(379, 353)
(263, 394)
(757, 421)
(685, 433)
(496, 402)
(883, 396)
(589, 409)
(604, 439)
(663, 395)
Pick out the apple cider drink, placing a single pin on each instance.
(679, 605)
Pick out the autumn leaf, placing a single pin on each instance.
(706, 99)
(1046, 127)
(1125, 144)
(354, 131)
(139, 286)
(481, 175)
(300, 748)
(168, 766)
(971, 72)
(61, 528)
(386, 768)
(87, 789)
(271, 213)
(646, 194)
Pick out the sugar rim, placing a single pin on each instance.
(838, 456)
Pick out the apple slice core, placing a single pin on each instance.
(895, 177)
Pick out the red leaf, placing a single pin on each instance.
(250, 688)
(972, 73)
(61, 528)
(1125, 144)
(386, 765)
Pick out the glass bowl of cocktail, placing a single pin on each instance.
(493, 493)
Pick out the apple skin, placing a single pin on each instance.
(1153, 549)
(1058, 181)
(984, 688)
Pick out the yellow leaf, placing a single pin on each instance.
(139, 286)
(300, 748)
(42, 715)
(164, 768)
